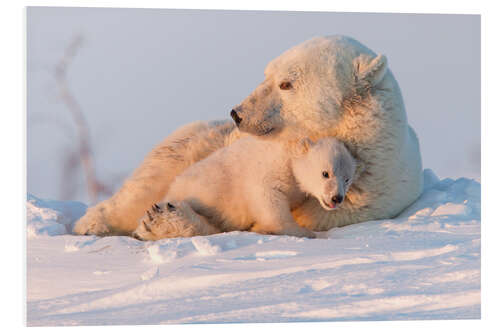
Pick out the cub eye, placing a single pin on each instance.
(326, 175)
(285, 85)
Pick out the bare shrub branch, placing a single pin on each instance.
(83, 154)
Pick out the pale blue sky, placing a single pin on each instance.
(144, 72)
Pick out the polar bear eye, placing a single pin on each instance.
(326, 174)
(285, 85)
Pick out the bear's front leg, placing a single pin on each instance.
(171, 220)
(275, 218)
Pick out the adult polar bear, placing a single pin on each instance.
(327, 86)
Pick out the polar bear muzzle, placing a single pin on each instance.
(260, 113)
(235, 117)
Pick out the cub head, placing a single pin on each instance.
(166, 220)
(307, 85)
(325, 170)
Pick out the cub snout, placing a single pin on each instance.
(337, 199)
(333, 202)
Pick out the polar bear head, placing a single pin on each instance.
(325, 170)
(306, 87)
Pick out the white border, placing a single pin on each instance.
(13, 134)
(380, 6)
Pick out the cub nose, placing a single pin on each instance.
(235, 117)
(136, 236)
(337, 199)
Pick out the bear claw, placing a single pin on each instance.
(156, 208)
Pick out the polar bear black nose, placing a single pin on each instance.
(337, 199)
(235, 117)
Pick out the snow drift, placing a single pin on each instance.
(425, 264)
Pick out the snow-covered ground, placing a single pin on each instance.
(425, 264)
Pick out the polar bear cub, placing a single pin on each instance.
(252, 185)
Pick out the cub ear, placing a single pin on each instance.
(370, 71)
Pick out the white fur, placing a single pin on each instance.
(150, 182)
(340, 88)
(251, 185)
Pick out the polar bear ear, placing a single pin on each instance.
(305, 144)
(370, 72)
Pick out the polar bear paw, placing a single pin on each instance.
(91, 224)
(166, 221)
